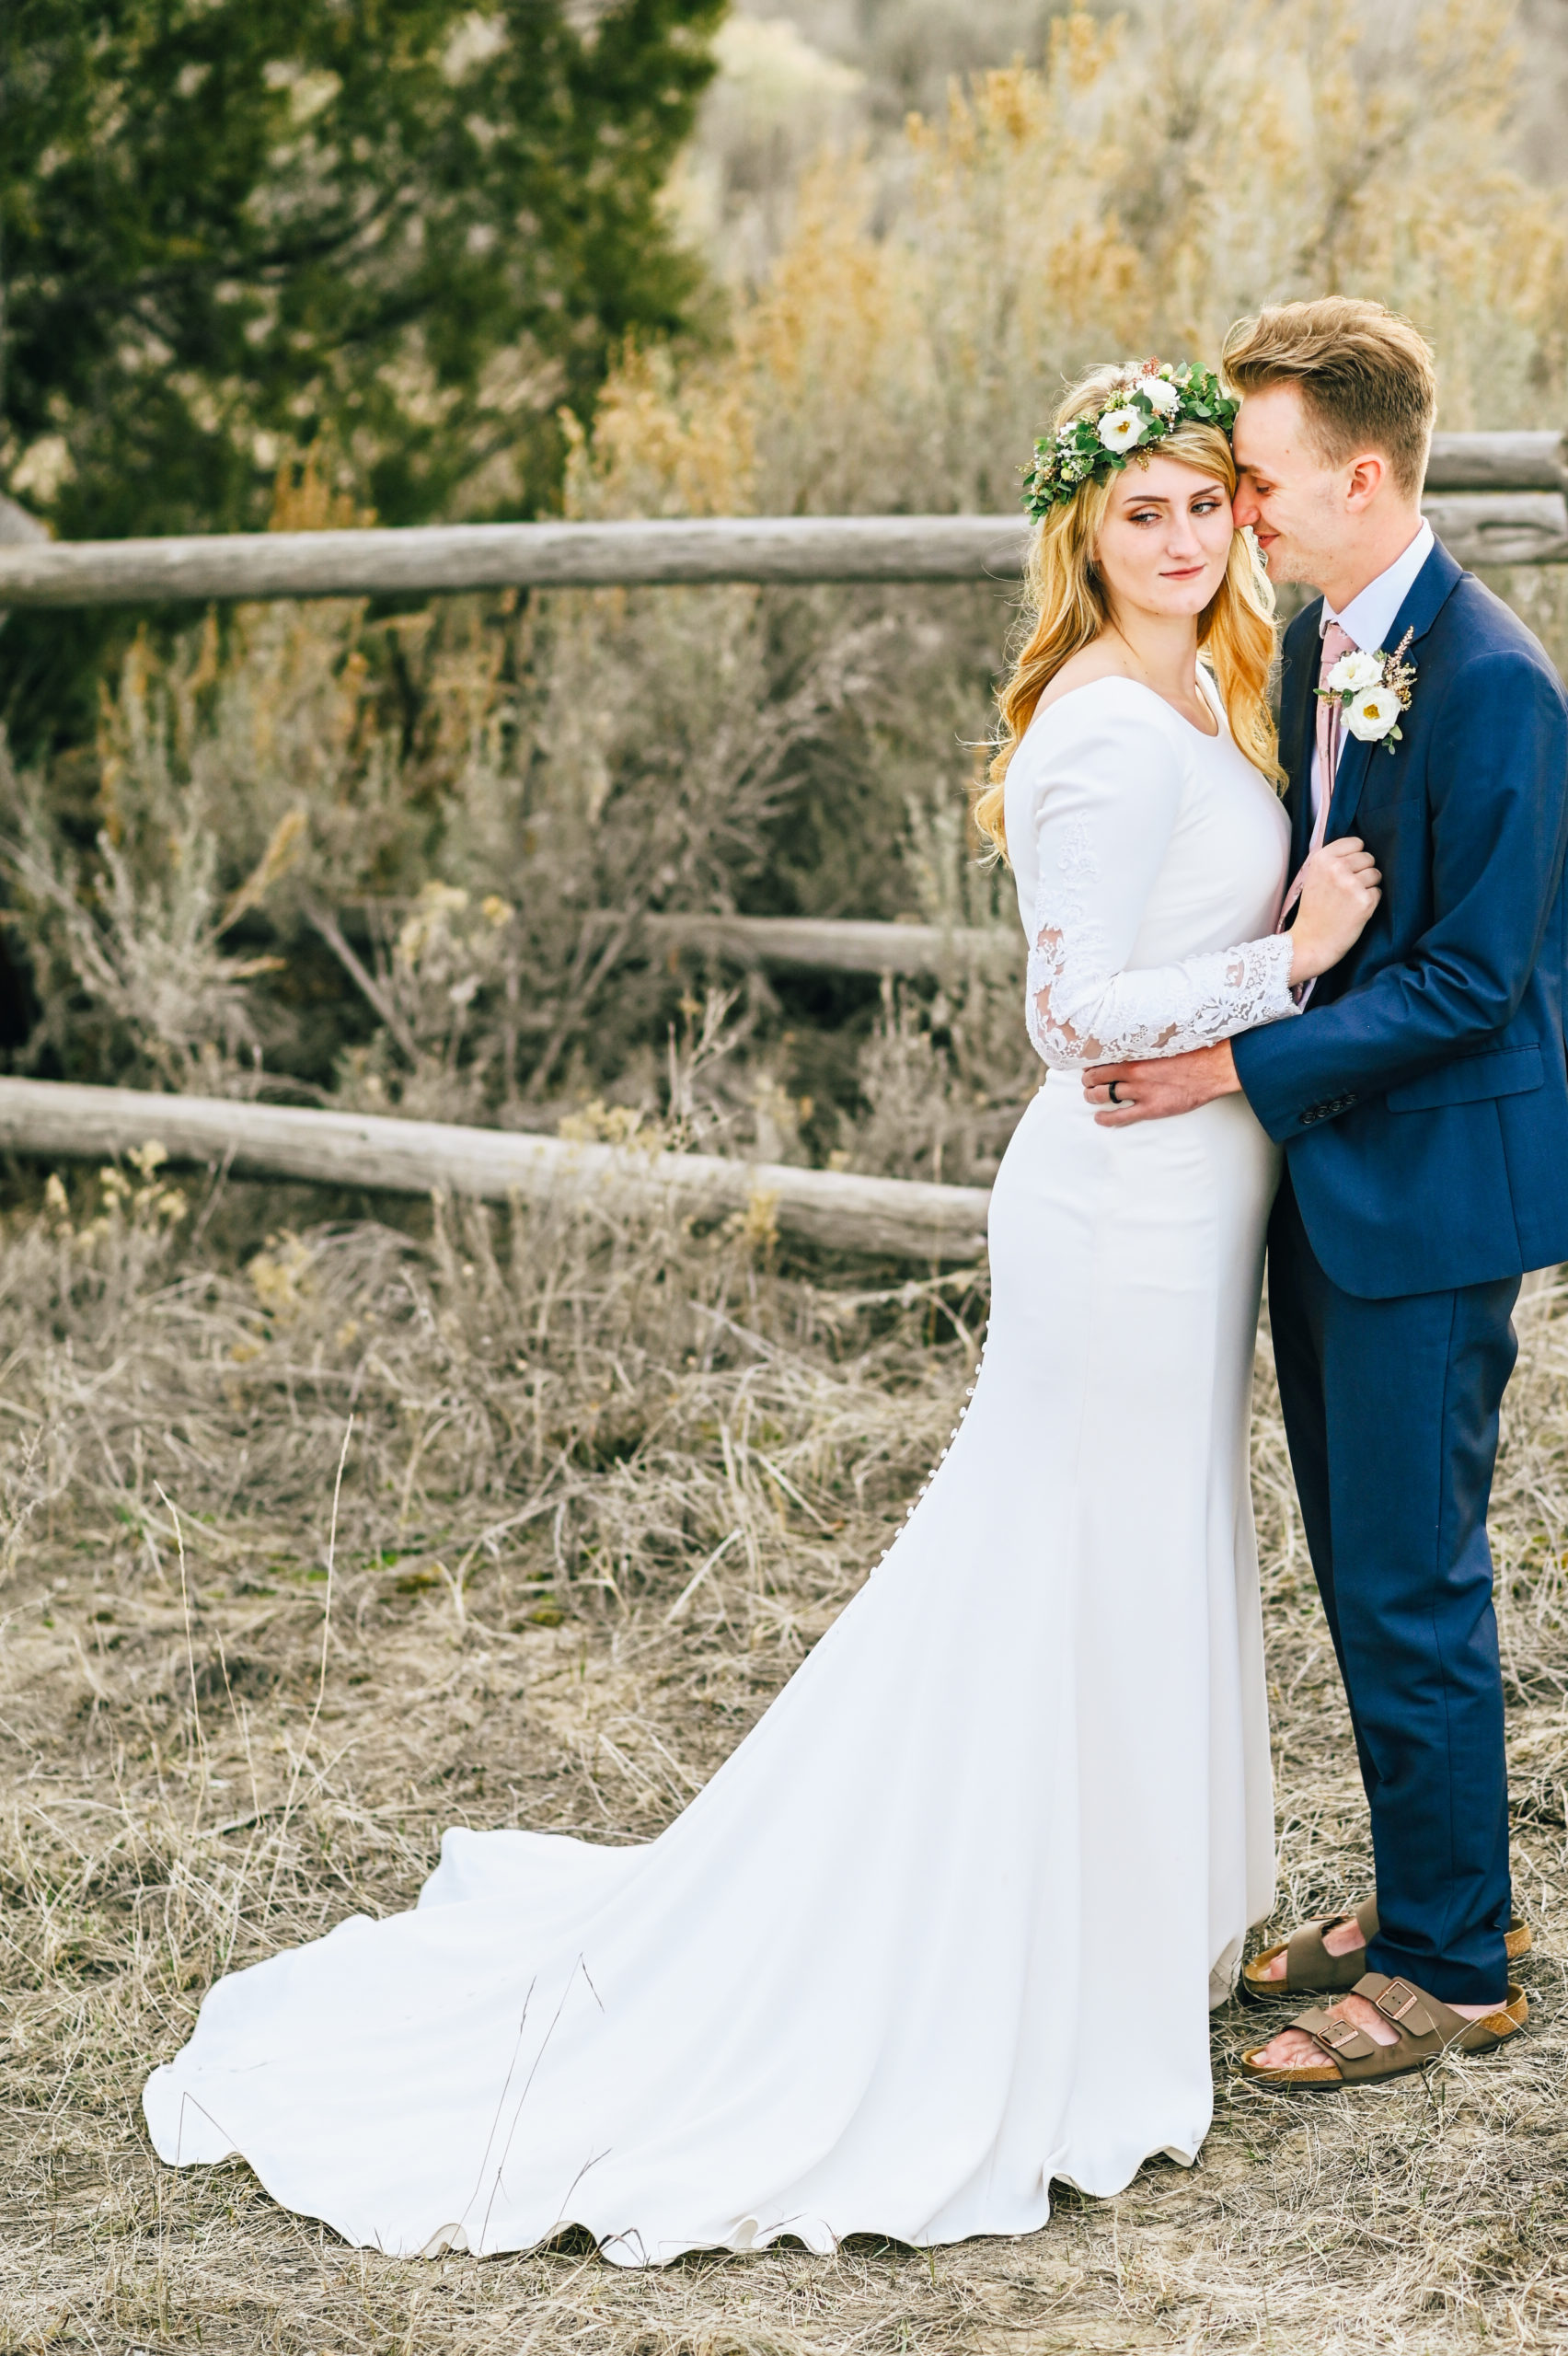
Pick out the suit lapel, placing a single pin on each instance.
(1429, 593)
(1356, 759)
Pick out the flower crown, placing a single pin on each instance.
(1144, 405)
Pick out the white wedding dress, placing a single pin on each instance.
(949, 1921)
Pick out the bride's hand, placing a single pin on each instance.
(1341, 888)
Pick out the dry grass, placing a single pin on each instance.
(603, 1487)
(213, 1747)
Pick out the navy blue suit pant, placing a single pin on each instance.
(1392, 1413)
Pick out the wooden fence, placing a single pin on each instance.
(1496, 499)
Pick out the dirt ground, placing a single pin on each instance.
(224, 1727)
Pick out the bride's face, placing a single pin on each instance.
(1166, 540)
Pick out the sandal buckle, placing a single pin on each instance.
(1339, 2033)
(1397, 1999)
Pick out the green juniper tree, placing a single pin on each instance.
(405, 231)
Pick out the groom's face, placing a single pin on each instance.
(1294, 501)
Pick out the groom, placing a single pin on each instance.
(1422, 1101)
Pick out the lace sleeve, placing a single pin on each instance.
(1102, 831)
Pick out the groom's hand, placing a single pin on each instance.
(1166, 1084)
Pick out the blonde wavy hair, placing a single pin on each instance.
(1066, 607)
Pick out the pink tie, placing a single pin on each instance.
(1336, 643)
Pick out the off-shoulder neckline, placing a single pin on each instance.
(1119, 679)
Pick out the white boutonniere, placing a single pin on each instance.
(1372, 690)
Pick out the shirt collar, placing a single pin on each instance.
(1370, 616)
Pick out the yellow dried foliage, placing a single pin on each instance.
(138, 1217)
(1135, 194)
(279, 1276)
(597, 1123)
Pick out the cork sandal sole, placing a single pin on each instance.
(1425, 2030)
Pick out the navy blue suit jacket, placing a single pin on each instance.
(1422, 1099)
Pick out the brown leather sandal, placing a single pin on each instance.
(1312, 1971)
(1425, 2029)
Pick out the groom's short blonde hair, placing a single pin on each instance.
(1366, 378)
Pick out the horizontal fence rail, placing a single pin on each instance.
(509, 556)
(1493, 498)
(839, 945)
(1498, 462)
(891, 1217)
(1515, 527)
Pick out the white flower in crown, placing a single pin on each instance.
(1121, 429)
(1160, 394)
(1370, 712)
(1355, 671)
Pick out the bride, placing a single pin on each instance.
(948, 1923)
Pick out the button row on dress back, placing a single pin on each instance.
(931, 1474)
